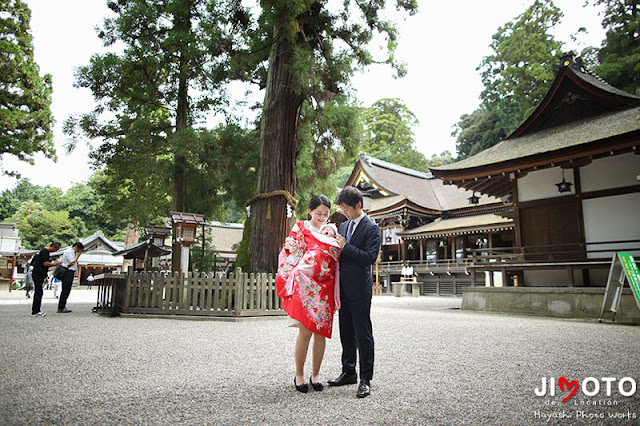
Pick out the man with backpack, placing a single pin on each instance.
(41, 263)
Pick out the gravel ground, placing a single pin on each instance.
(435, 364)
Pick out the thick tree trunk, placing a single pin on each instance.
(131, 239)
(278, 144)
(182, 21)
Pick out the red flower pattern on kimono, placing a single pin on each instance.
(308, 278)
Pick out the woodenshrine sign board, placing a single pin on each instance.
(623, 268)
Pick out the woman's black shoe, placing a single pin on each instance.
(316, 386)
(301, 388)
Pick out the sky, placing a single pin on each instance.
(442, 45)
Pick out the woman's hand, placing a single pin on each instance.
(341, 240)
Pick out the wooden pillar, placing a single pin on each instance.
(453, 248)
(571, 280)
(146, 259)
(79, 271)
(377, 289)
(421, 249)
(13, 268)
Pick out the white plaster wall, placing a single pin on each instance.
(612, 218)
(541, 184)
(610, 172)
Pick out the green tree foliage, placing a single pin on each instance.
(389, 134)
(315, 48)
(39, 226)
(203, 260)
(11, 200)
(326, 143)
(445, 157)
(25, 96)
(516, 76)
(619, 56)
(168, 77)
(82, 204)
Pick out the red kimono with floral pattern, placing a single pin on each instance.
(308, 278)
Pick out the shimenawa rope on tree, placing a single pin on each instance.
(292, 203)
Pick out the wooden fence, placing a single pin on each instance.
(237, 294)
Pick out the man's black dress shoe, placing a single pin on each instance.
(344, 379)
(317, 385)
(64, 311)
(364, 388)
(304, 388)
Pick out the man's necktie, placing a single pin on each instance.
(350, 230)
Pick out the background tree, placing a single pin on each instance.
(39, 226)
(445, 157)
(169, 76)
(24, 190)
(516, 76)
(619, 56)
(82, 204)
(25, 96)
(314, 52)
(389, 134)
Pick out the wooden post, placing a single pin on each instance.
(13, 268)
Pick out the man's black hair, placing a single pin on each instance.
(350, 196)
(79, 245)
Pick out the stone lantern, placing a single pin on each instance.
(185, 227)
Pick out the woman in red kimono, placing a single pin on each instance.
(308, 283)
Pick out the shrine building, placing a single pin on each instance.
(427, 225)
(570, 175)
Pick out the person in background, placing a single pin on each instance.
(89, 280)
(28, 282)
(55, 285)
(70, 261)
(41, 263)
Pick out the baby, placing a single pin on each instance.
(329, 230)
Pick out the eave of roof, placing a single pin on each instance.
(492, 171)
(410, 188)
(192, 218)
(459, 226)
(138, 250)
(511, 154)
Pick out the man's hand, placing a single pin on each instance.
(341, 240)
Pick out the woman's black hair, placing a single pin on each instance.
(319, 200)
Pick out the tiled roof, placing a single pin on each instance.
(417, 187)
(138, 250)
(579, 108)
(553, 139)
(181, 217)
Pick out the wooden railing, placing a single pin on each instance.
(237, 294)
(595, 251)
(569, 257)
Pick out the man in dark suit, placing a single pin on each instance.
(360, 241)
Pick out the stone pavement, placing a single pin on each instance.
(435, 364)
